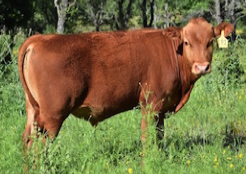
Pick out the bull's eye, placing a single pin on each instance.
(210, 43)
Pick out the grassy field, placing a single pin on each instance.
(206, 136)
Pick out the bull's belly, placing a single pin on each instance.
(96, 114)
(91, 114)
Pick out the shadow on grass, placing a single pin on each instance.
(233, 137)
(117, 153)
(230, 137)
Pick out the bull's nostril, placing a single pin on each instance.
(207, 68)
(197, 67)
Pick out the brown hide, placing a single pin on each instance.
(97, 75)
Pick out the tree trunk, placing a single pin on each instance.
(144, 13)
(166, 14)
(60, 25)
(156, 17)
(226, 5)
(152, 3)
(121, 15)
(116, 23)
(233, 20)
(93, 16)
(123, 18)
(218, 12)
(97, 28)
(128, 12)
(61, 11)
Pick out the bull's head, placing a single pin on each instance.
(198, 36)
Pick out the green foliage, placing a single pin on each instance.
(4, 48)
(15, 13)
(229, 67)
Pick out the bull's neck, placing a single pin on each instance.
(185, 75)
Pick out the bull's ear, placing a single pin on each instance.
(173, 32)
(227, 27)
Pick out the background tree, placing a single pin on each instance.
(63, 7)
(147, 7)
(45, 17)
(96, 11)
(195, 8)
(124, 14)
(14, 15)
(233, 19)
(218, 11)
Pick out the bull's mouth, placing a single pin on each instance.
(200, 69)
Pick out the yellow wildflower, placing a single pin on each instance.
(15, 52)
(217, 163)
(188, 162)
(229, 158)
(224, 151)
(239, 31)
(231, 165)
(240, 156)
(239, 123)
(239, 97)
(215, 160)
(243, 168)
(130, 170)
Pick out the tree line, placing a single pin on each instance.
(73, 15)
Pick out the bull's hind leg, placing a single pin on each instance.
(32, 114)
(51, 125)
(41, 123)
(38, 124)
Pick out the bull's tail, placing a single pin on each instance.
(21, 61)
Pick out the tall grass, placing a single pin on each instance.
(206, 136)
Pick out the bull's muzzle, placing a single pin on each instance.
(201, 68)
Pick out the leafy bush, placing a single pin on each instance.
(5, 49)
(230, 70)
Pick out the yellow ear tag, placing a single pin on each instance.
(222, 41)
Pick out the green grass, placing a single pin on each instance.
(206, 136)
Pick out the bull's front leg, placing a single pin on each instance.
(160, 127)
